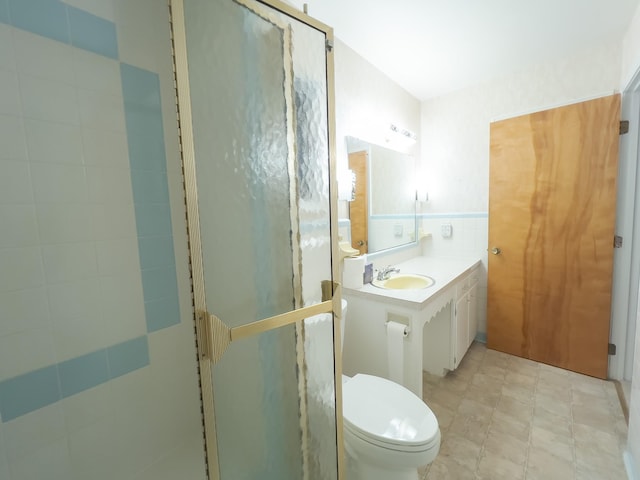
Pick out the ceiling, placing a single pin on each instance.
(431, 47)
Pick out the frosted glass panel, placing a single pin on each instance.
(259, 108)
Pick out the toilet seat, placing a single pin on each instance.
(388, 415)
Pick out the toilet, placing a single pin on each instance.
(388, 431)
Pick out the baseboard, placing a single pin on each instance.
(629, 465)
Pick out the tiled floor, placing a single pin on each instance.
(504, 417)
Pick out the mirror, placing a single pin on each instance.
(383, 212)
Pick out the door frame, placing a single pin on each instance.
(626, 273)
(218, 333)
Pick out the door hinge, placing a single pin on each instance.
(329, 45)
(617, 241)
(612, 349)
(624, 127)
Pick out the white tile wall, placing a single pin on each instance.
(43, 58)
(12, 138)
(9, 101)
(50, 100)
(67, 262)
(33, 432)
(38, 342)
(69, 265)
(49, 461)
(26, 309)
(15, 183)
(7, 55)
(101, 112)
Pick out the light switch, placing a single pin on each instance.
(447, 230)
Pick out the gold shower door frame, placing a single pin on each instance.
(213, 336)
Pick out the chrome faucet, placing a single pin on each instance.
(386, 272)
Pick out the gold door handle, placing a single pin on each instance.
(496, 251)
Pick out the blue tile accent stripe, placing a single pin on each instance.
(39, 388)
(92, 33)
(43, 17)
(4, 11)
(128, 356)
(82, 373)
(29, 392)
(143, 115)
(58, 21)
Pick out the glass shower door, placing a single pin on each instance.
(255, 130)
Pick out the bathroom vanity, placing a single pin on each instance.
(441, 322)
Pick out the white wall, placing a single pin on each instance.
(631, 51)
(367, 102)
(455, 142)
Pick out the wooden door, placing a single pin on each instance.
(359, 207)
(552, 202)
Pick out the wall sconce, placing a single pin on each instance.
(422, 195)
(347, 185)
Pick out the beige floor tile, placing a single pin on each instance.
(585, 399)
(496, 467)
(588, 385)
(443, 414)
(507, 446)
(455, 384)
(467, 370)
(585, 415)
(515, 377)
(502, 422)
(524, 394)
(552, 422)
(475, 409)
(599, 463)
(560, 392)
(544, 368)
(523, 366)
(504, 417)
(589, 473)
(516, 409)
(543, 465)
(444, 468)
(553, 443)
(553, 404)
(591, 440)
(485, 396)
(471, 428)
(461, 450)
(483, 380)
(446, 397)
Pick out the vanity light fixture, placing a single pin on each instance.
(406, 137)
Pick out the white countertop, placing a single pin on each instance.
(443, 270)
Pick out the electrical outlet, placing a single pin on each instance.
(447, 230)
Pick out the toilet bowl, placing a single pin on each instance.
(388, 431)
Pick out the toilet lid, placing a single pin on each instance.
(383, 411)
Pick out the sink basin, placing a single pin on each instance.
(404, 281)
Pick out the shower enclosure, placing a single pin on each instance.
(255, 93)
